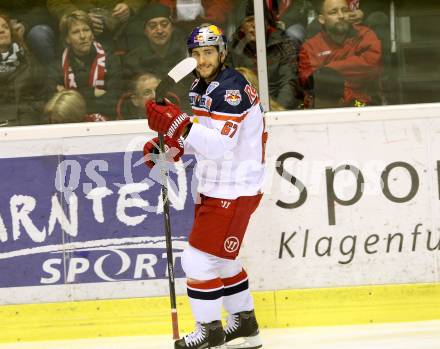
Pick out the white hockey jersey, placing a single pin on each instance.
(229, 138)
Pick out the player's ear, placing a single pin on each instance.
(321, 19)
(223, 56)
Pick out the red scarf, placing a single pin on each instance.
(97, 71)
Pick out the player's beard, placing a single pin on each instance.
(211, 74)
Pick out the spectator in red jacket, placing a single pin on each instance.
(354, 51)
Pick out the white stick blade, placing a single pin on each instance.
(182, 69)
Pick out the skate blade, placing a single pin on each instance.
(253, 342)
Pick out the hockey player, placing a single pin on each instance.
(228, 142)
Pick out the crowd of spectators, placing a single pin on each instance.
(97, 60)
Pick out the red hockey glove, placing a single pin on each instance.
(166, 119)
(173, 150)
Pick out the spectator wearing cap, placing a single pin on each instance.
(160, 50)
(86, 66)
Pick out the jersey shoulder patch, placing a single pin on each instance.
(230, 96)
(233, 97)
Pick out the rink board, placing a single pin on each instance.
(279, 309)
(78, 218)
(348, 203)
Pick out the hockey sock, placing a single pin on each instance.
(237, 294)
(206, 299)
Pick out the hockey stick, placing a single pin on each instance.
(176, 74)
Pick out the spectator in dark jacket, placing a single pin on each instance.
(20, 94)
(291, 16)
(281, 59)
(86, 67)
(160, 50)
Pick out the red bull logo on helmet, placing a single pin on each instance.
(199, 38)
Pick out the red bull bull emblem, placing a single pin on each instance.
(199, 38)
(233, 97)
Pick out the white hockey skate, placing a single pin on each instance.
(242, 331)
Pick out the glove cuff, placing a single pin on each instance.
(176, 128)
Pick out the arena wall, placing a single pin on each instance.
(348, 230)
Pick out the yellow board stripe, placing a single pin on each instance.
(286, 308)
